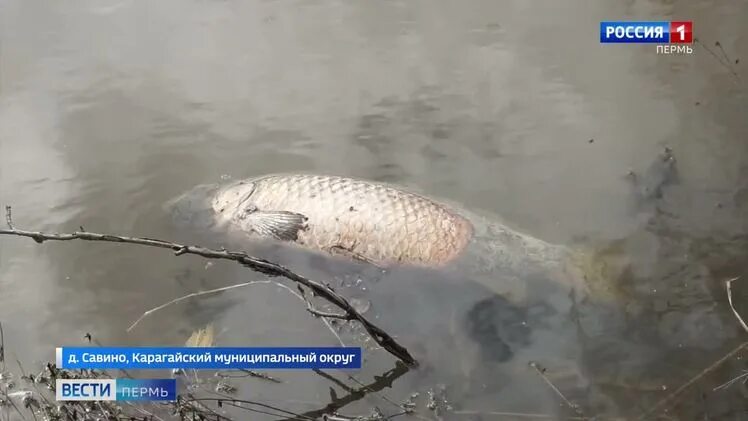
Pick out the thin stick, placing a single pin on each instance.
(724, 54)
(213, 291)
(13, 404)
(332, 379)
(259, 265)
(515, 415)
(188, 296)
(719, 59)
(380, 382)
(8, 218)
(36, 387)
(696, 378)
(239, 402)
(328, 315)
(728, 286)
(145, 412)
(729, 383)
(324, 320)
(379, 394)
(554, 388)
(2, 360)
(2, 346)
(249, 373)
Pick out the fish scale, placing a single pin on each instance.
(387, 225)
(374, 221)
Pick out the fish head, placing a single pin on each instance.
(193, 208)
(232, 201)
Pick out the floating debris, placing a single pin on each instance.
(362, 306)
(437, 400)
(410, 404)
(225, 387)
(202, 338)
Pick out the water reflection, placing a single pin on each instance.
(108, 110)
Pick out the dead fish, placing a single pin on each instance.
(387, 225)
(369, 221)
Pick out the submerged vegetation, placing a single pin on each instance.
(31, 395)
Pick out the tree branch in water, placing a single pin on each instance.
(256, 264)
(711, 368)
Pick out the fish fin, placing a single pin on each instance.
(281, 225)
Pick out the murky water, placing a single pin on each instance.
(110, 108)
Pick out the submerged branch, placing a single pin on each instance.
(669, 398)
(259, 265)
(188, 296)
(222, 289)
(713, 366)
(541, 373)
(728, 286)
(355, 394)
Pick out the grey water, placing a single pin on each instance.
(111, 108)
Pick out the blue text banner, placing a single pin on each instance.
(208, 358)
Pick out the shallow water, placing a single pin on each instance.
(108, 109)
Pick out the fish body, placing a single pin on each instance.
(374, 222)
(387, 225)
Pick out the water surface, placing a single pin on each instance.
(110, 108)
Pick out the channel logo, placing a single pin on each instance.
(86, 390)
(652, 32)
(116, 390)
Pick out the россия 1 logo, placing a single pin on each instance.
(670, 37)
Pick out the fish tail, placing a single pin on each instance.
(598, 272)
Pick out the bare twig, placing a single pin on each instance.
(248, 373)
(239, 403)
(324, 320)
(13, 404)
(728, 286)
(317, 313)
(516, 415)
(259, 265)
(150, 416)
(188, 296)
(568, 403)
(724, 62)
(2, 347)
(724, 53)
(743, 377)
(381, 382)
(328, 315)
(3, 387)
(8, 217)
(372, 417)
(334, 380)
(689, 383)
(216, 290)
(379, 394)
(36, 387)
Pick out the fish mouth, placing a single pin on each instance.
(193, 208)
